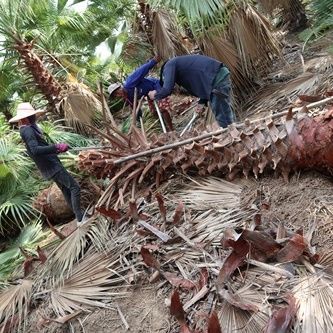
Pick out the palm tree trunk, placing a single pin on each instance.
(294, 15)
(44, 80)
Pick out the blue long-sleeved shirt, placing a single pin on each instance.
(195, 73)
(138, 80)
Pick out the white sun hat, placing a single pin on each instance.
(24, 110)
(113, 87)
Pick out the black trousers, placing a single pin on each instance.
(71, 191)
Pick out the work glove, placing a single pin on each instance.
(61, 147)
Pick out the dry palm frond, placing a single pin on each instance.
(253, 38)
(273, 96)
(92, 233)
(14, 302)
(233, 319)
(136, 50)
(314, 295)
(89, 285)
(165, 35)
(212, 193)
(247, 297)
(210, 225)
(80, 106)
(268, 281)
(291, 12)
(215, 44)
(270, 5)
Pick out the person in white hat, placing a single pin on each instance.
(45, 156)
(139, 80)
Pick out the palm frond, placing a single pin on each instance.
(88, 285)
(80, 106)
(14, 302)
(280, 95)
(215, 44)
(165, 35)
(93, 233)
(28, 240)
(193, 9)
(12, 158)
(314, 295)
(212, 193)
(253, 38)
(210, 225)
(135, 51)
(55, 132)
(16, 204)
(235, 319)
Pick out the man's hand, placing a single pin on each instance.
(152, 94)
(157, 58)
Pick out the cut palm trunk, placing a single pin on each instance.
(280, 143)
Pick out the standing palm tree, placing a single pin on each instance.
(33, 31)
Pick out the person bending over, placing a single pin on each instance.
(203, 77)
(139, 80)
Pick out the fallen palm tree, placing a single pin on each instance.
(283, 142)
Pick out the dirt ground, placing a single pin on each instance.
(144, 312)
(305, 201)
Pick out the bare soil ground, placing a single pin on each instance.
(305, 201)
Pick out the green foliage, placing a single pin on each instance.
(55, 132)
(193, 9)
(322, 19)
(28, 240)
(17, 184)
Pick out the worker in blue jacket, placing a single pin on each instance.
(203, 77)
(144, 84)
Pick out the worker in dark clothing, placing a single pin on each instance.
(143, 84)
(45, 156)
(203, 77)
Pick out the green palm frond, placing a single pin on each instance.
(193, 9)
(323, 19)
(12, 158)
(55, 132)
(16, 209)
(29, 238)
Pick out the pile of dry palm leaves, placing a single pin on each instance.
(225, 266)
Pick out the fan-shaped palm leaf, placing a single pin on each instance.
(89, 285)
(55, 132)
(14, 301)
(253, 38)
(314, 295)
(29, 238)
(193, 9)
(165, 35)
(80, 106)
(12, 158)
(62, 258)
